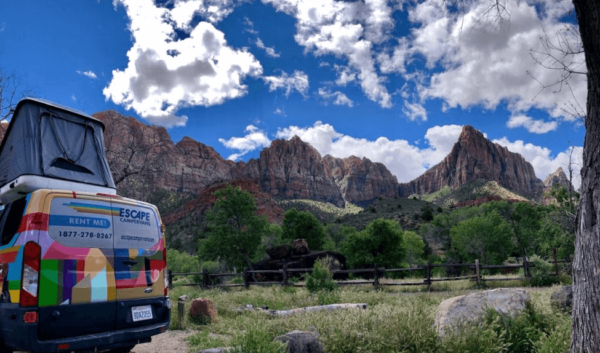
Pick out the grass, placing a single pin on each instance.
(470, 191)
(324, 211)
(398, 319)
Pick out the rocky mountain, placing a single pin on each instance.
(292, 169)
(361, 181)
(474, 157)
(557, 178)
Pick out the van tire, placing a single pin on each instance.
(126, 349)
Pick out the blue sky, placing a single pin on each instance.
(392, 81)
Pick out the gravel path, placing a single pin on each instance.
(170, 341)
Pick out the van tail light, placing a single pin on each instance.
(165, 272)
(31, 275)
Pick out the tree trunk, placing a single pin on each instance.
(250, 265)
(586, 267)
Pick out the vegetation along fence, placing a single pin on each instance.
(375, 273)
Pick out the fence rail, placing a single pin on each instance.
(376, 273)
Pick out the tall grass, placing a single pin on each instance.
(395, 321)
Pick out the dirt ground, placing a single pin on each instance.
(170, 341)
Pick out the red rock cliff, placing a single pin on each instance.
(474, 157)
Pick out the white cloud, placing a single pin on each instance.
(533, 126)
(344, 29)
(89, 74)
(205, 71)
(254, 139)
(73, 98)
(414, 111)
(298, 82)
(542, 160)
(488, 64)
(338, 97)
(249, 26)
(403, 159)
(269, 50)
(280, 111)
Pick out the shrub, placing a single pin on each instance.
(321, 278)
(440, 209)
(399, 206)
(542, 274)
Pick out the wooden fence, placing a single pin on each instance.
(377, 273)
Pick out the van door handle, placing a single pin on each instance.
(129, 262)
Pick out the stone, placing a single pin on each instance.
(562, 298)
(300, 247)
(474, 157)
(301, 342)
(215, 350)
(557, 178)
(203, 310)
(279, 252)
(472, 307)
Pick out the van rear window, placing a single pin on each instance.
(102, 224)
(135, 227)
(81, 223)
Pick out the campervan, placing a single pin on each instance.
(81, 269)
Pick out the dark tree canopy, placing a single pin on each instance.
(303, 224)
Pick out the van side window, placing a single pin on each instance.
(10, 219)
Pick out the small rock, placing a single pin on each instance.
(300, 247)
(183, 298)
(203, 310)
(249, 306)
(215, 350)
(472, 307)
(301, 342)
(562, 298)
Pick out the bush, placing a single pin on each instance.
(321, 278)
(399, 206)
(440, 209)
(542, 274)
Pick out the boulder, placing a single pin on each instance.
(300, 247)
(203, 310)
(301, 342)
(279, 252)
(562, 298)
(472, 307)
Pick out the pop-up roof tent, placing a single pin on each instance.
(52, 147)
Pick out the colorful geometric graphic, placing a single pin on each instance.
(72, 275)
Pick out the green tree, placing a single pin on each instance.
(486, 237)
(338, 233)
(303, 224)
(415, 247)
(379, 244)
(234, 230)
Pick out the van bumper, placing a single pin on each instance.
(17, 335)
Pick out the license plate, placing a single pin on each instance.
(140, 313)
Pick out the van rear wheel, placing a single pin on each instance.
(126, 349)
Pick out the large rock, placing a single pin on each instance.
(474, 157)
(557, 178)
(203, 310)
(301, 342)
(361, 181)
(562, 298)
(279, 252)
(300, 247)
(472, 307)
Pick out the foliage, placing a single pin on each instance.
(272, 237)
(320, 279)
(542, 274)
(182, 262)
(324, 211)
(380, 243)
(256, 340)
(486, 237)
(337, 234)
(415, 247)
(234, 230)
(302, 224)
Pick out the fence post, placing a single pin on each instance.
(285, 276)
(477, 271)
(170, 274)
(376, 276)
(205, 278)
(526, 266)
(181, 309)
(428, 277)
(246, 282)
(555, 263)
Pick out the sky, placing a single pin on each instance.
(392, 81)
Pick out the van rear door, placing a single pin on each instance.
(77, 292)
(139, 263)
